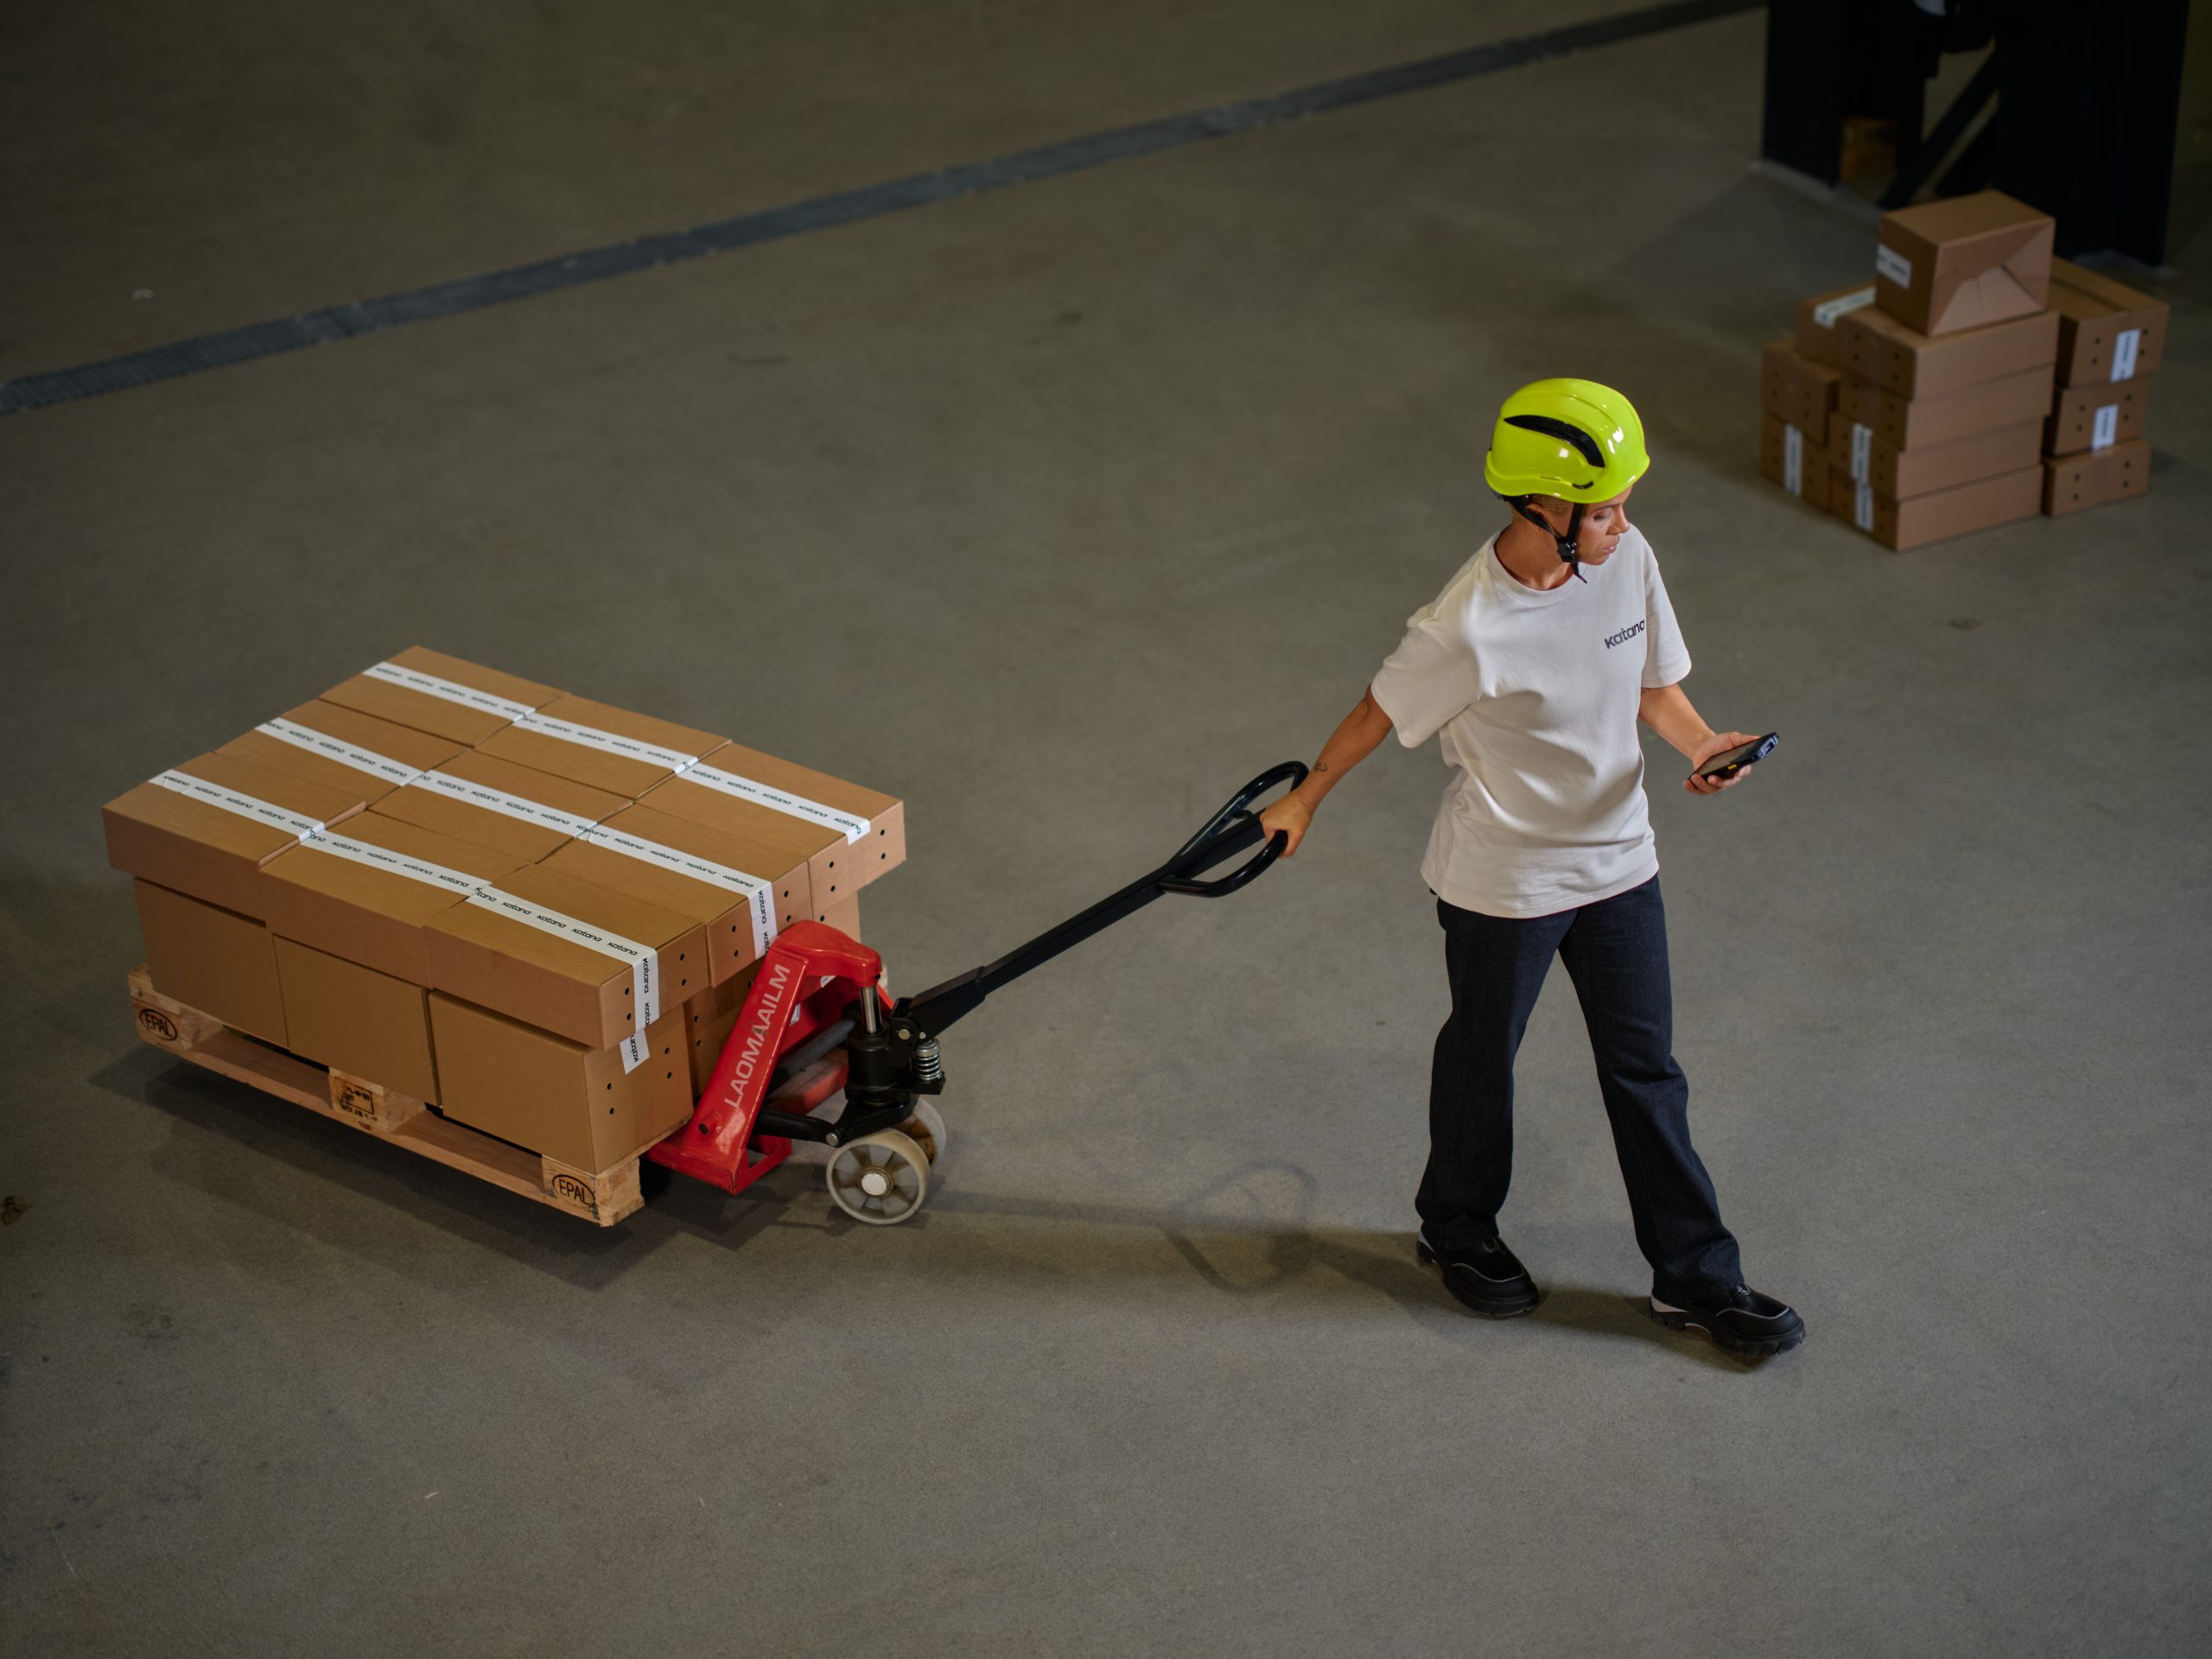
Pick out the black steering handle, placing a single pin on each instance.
(1228, 832)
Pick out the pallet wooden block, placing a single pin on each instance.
(604, 1197)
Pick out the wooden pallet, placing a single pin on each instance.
(166, 1024)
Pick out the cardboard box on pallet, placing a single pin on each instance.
(710, 1016)
(520, 949)
(1887, 354)
(1796, 390)
(2073, 483)
(494, 803)
(729, 885)
(344, 748)
(212, 959)
(1917, 520)
(207, 827)
(1901, 473)
(2096, 416)
(444, 696)
(1818, 318)
(1963, 264)
(1913, 422)
(568, 1100)
(1790, 459)
(369, 891)
(355, 1019)
(2107, 331)
(594, 743)
(848, 836)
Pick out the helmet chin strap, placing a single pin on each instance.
(1568, 552)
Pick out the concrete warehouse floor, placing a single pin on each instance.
(1058, 512)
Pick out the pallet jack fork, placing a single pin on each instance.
(817, 1020)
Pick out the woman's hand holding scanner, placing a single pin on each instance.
(1719, 748)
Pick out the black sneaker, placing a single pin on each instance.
(1744, 1322)
(1488, 1278)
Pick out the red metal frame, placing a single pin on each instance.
(811, 974)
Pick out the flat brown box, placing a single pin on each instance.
(2074, 410)
(2072, 483)
(1819, 317)
(194, 847)
(567, 1100)
(1812, 460)
(1794, 389)
(1963, 264)
(836, 869)
(2093, 312)
(709, 1017)
(398, 750)
(1879, 348)
(562, 985)
(630, 773)
(1900, 473)
(726, 914)
(1910, 422)
(366, 913)
(493, 819)
(357, 1020)
(1920, 519)
(441, 716)
(212, 959)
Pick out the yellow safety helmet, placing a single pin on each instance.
(1573, 439)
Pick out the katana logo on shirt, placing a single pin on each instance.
(1626, 634)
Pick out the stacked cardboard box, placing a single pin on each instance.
(2111, 340)
(533, 912)
(1942, 367)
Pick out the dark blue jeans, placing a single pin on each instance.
(1615, 953)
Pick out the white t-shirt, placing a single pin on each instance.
(1536, 696)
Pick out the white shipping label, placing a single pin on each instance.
(611, 742)
(2123, 351)
(322, 743)
(495, 800)
(760, 895)
(1827, 313)
(1862, 451)
(2105, 430)
(849, 825)
(1889, 262)
(416, 680)
(645, 965)
(1862, 507)
(246, 806)
(458, 882)
(1793, 460)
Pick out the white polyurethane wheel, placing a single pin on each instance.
(879, 1179)
(926, 1128)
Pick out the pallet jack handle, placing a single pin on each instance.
(1228, 832)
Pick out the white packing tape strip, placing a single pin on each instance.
(496, 800)
(416, 680)
(246, 806)
(2104, 431)
(1862, 507)
(644, 970)
(2123, 353)
(1826, 314)
(332, 748)
(760, 896)
(613, 742)
(383, 858)
(1793, 460)
(1889, 262)
(1862, 451)
(849, 825)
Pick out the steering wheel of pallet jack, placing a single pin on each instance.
(879, 1179)
(926, 1128)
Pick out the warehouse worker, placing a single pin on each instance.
(1534, 665)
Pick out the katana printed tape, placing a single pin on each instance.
(495, 800)
(246, 806)
(383, 858)
(332, 748)
(613, 742)
(2123, 353)
(416, 680)
(645, 965)
(760, 896)
(847, 824)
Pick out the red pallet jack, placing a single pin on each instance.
(817, 1020)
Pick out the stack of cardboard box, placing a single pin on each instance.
(2111, 340)
(1941, 370)
(535, 912)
